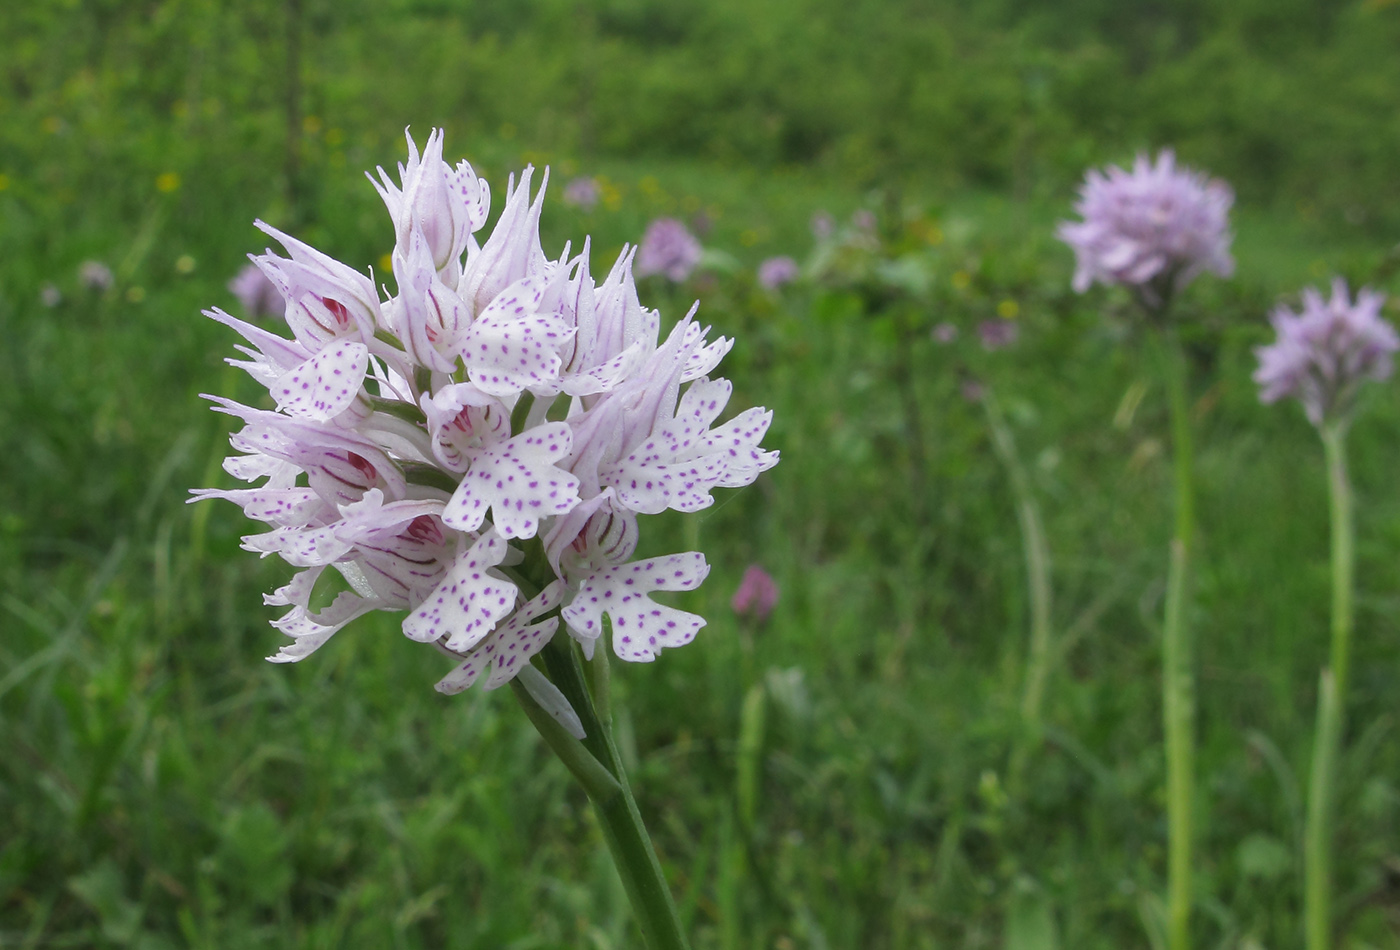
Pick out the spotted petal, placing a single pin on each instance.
(300, 547)
(510, 646)
(518, 480)
(641, 627)
(705, 358)
(737, 442)
(324, 386)
(468, 603)
(671, 469)
(280, 506)
(512, 344)
(310, 630)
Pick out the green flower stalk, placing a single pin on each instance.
(1178, 677)
(1040, 656)
(1322, 356)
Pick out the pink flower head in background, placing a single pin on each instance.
(50, 296)
(944, 333)
(823, 226)
(863, 220)
(776, 271)
(1152, 229)
(1323, 354)
(668, 248)
(256, 293)
(421, 443)
(996, 334)
(583, 193)
(95, 275)
(757, 594)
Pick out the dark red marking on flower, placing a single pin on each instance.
(363, 466)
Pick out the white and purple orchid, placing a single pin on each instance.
(475, 448)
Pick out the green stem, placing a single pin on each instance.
(1343, 552)
(1040, 657)
(623, 828)
(1331, 702)
(1178, 686)
(597, 781)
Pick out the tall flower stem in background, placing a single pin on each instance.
(1153, 230)
(1322, 356)
(1331, 700)
(1040, 655)
(1178, 681)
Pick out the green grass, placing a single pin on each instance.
(161, 786)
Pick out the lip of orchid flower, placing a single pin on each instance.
(1324, 353)
(1154, 229)
(413, 449)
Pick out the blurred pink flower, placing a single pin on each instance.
(757, 594)
(945, 333)
(258, 295)
(582, 193)
(823, 225)
(1324, 354)
(776, 271)
(1154, 228)
(996, 334)
(668, 248)
(95, 275)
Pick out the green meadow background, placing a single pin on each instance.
(842, 776)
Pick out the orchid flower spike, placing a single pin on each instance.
(1153, 229)
(475, 449)
(1323, 354)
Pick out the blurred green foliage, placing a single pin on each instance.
(842, 782)
(1291, 100)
